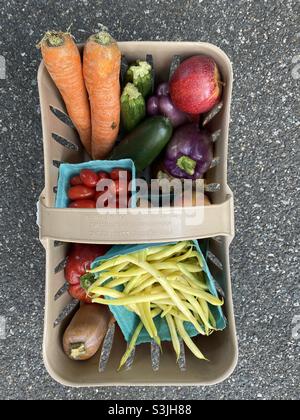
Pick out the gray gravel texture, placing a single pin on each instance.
(263, 41)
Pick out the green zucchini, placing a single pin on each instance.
(145, 142)
(133, 107)
(141, 75)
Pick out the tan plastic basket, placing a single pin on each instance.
(60, 226)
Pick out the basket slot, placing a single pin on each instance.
(68, 309)
(216, 135)
(65, 143)
(176, 60)
(215, 111)
(58, 243)
(124, 68)
(129, 362)
(213, 187)
(55, 189)
(62, 290)
(106, 348)
(182, 358)
(155, 356)
(62, 116)
(215, 162)
(56, 163)
(61, 266)
(212, 257)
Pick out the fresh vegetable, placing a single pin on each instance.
(103, 175)
(86, 332)
(62, 60)
(195, 86)
(161, 104)
(153, 106)
(81, 192)
(165, 280)
(76, 180)
(101, 69)
(167, 109)
(118, 173)
(141, 75)
(86, 194)
(83, 204)
(80, 258)
(162, 89)
(190, 152)
(89, 178)
(133, 107)
(145, 142)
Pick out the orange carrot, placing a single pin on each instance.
(63, 62)
(101, 70)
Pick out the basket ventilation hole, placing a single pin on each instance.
(215, 260)
(56, 163)
(62, 116)
(176, 60)
(58, 243)
(61, 291)
(60, 266)
(182, 359)
(66, 312)
(149, 59)
(155, 356)
(218, 239)
(124, 68)
(215, 111)
(55, 189)
(216, 135)
(129, 362)
(106, 348)
(215, 162)
(212, 187)
(65, 143)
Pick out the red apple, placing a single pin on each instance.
(195, 86)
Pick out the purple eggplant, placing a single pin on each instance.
(190, 152)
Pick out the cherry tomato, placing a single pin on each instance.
(81, 192)
(83, 204)
(120, 173)
(103, 175)
(89, 178)
(76, 180)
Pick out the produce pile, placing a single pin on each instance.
(166, 282)
(154, 125)
(159, 127)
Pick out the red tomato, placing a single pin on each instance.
(81, 192)
(77, 292)
(120, 173)
(83, 204)
(103, 175)
(89, 178)
(76, 180)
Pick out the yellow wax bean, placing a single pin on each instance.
(174, 336)
(188, 341)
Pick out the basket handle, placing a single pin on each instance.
(122, 226)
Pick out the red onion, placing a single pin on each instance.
(162, 89)
(152, 106)
(167, 109)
